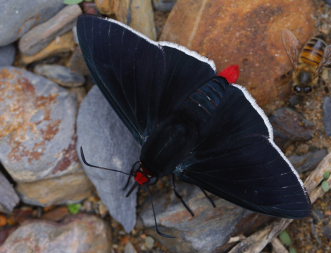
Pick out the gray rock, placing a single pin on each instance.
(41, 35)
(37, 131)
(19, 16)
(60, 74)
(164, 5)
(327, 115)
(108, 143)
(289, 125)
(7, 55)
(207, 231)
(8, 196)
(77, 234)
(309, 161)
(129, 248)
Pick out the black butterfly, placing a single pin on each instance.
(190, 122)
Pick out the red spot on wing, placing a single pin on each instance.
(231, 73)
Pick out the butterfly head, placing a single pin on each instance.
(144, 176)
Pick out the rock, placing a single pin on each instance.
(90, 8)
(135, 13)
(64, 43)
(328, 2)
(149, 242)
(77, 63)
(105, 6)
(8, 196)
(40, 36)
(289, 125)
(327, 115)
(164, 5)
(18, 17)
(60, 75)
(37, 138)
(80, 233)
(56, 191)
(80, 93)
(108, 143)
(56, 214)
(207, 231)
(308, 161)
(243, 33)
(7, 55)
(129, 248)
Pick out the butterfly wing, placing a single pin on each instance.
(239, 161)
(141, 79)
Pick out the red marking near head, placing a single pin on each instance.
(143, 176)
(231, 73)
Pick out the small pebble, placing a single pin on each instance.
(60, 74)
(164, 5)
(7, 55)
(149, 242)
(129, 248)
(327, 115)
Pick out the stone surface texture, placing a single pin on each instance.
(207, 231)
(37, 134)
(8, 197)
(60, 74)
(247, 33)
(327, 115)
(19, 16)
(135, 13)
(78, 234)
(40, 36)
(289, 125)
(164, 5)
(61, 190)
(7, 55)
(308, 161)
(61, 44)
(108, 143)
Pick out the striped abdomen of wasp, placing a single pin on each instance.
(307, 64)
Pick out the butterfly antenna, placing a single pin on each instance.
(156, 226)
(98, 167)
(132, 172)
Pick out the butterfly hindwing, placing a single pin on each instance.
(239, 161)
(142, 79)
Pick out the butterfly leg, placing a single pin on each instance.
(132, 172)
(208, 197)
(180, 197)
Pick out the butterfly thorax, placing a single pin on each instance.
(169, 144)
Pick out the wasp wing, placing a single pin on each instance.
(143, 80)
(240, 162)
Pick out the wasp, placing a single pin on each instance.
(307, 64)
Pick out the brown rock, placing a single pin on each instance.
(40, 36)
(64, 43)
(80, 233)
(136, 13)
(247, 33)
(77, 63)
(60, 190)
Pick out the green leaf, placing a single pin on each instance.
(74, 208)
(292, 250)
(326, 175)
(325, 186)
(73, 1)
(285, 238)
(88, 0)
